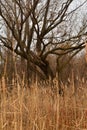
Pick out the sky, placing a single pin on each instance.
(77, 3)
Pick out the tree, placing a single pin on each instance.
(39, 29)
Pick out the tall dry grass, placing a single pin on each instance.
(40, 108)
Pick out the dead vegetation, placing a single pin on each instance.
(40, 108)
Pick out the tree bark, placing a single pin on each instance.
(28, 73)
(59, 77)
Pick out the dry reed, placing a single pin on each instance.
(41, 108)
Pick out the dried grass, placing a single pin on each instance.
(40, 108)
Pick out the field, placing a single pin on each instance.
(42, 108)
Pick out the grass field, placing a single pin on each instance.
(41, 108)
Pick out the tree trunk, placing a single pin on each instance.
(38, 47)
(58, 76)
(47, 70)
(28, 73)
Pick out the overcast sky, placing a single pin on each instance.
(76, 3)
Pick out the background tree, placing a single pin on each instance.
(39, 29)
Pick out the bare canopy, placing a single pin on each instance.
(35, 29)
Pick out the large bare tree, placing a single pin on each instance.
(40, 28)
